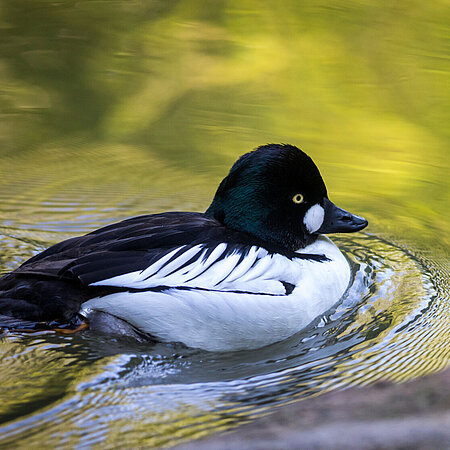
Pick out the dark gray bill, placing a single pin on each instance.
(337, 220)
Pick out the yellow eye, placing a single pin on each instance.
(298, 198)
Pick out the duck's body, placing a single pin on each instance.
(245, 300)
(232, 278)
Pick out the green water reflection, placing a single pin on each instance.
(362, 87)
(110, 109)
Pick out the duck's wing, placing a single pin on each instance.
(119, 248)
(183, 250)
(221, 267)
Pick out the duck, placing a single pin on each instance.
(255, 268)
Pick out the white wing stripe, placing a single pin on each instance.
(151, 270)
(258, 271)
(227, 265)
(175, 265)
(127, 279)
(244, 265)
(205, 265)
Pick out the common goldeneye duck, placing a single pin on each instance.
(252, 270)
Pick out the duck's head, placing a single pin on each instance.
(277, 194)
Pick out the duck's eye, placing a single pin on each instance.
(298, 198)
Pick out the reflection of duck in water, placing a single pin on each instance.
(254, 269)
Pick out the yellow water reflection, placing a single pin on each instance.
(362, 87)
(110, 109)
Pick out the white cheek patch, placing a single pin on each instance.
(314, 218)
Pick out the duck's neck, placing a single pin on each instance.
(259, 229)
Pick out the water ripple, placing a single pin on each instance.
(393, 324)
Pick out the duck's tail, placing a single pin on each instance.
(29, 304)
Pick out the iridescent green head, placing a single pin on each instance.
(277, 194)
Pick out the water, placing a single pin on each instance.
(113, 109)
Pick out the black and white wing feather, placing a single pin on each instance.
(216, 268)
(185, 250)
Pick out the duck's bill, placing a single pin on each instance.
(337, 220)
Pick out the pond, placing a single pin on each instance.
(111, 109)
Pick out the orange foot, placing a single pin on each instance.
(44, 327)
(83, 326)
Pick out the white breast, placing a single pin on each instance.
(212, 315)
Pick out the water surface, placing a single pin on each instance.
(119, 108)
